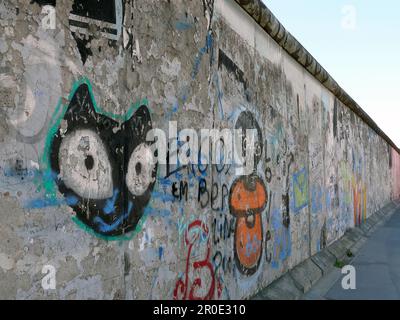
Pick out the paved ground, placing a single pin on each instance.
(377, 267)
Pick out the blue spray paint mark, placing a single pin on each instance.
(199, 56)
(49, 175)
(71, 200)
(252, 245)
(178, 175)
(42, 203)
(162, 196)
(25, 173)
(316, 199)
(282, 239)
(110, 204)
(160, 252)
(238, 109)
(165, 182)
(183, 26)
(300, 190)
(104, 227)
(149, 211)
(175, 108)
(318, 245)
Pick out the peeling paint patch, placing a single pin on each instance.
(183, 25)
(6, 263)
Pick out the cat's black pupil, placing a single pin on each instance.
(89, 162)
(138, 168)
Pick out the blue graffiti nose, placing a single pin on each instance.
(109, 207)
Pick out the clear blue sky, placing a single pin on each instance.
(361, 54)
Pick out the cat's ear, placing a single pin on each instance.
(140, 123)
(81, 103)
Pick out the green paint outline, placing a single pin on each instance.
(55, 122)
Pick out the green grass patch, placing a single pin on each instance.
(339, 264)
(349, 253)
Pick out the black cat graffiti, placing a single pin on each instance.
(104, 166)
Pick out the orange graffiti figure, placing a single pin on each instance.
(247, 200)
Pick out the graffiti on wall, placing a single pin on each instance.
(300, 190)
(192, 286)
(231, 230)
(359, 202)
(101, 163)
(247, 201)
(105, 15)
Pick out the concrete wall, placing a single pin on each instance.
(74, 114)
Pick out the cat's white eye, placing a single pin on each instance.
(140, 170)
(84, 165)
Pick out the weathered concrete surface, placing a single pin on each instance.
(81, 202)
(285, 288)
(306, 274)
